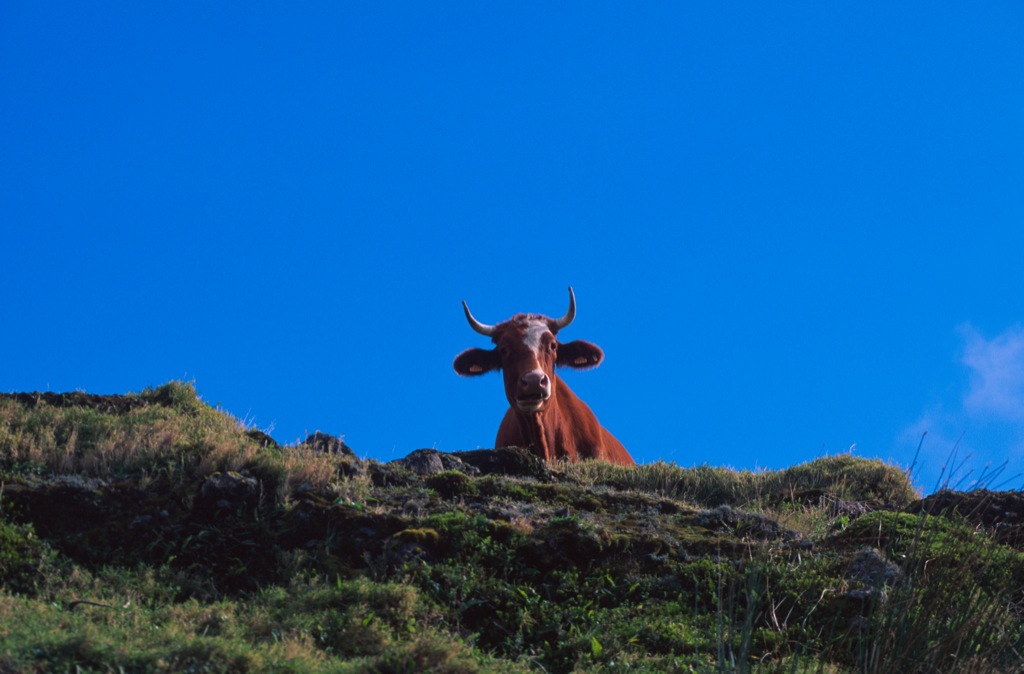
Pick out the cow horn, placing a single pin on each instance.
(482, 328)
(564, 321)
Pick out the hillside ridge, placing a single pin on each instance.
(121, 513)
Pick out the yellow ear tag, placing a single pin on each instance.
(475, 368)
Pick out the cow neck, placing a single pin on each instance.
(543, 429)
(536, 431)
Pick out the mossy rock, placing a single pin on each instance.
(452, 484)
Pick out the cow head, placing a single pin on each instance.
(527, 351)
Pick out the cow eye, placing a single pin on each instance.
(552, 347)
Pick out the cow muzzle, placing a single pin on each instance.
(533, 391)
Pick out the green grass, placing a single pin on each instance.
(167, 434)
(843, 477)
(354, 626)
(117, 554)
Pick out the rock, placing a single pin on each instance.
(328, 444)
(423, 462)
(348, 465)
(872, 574)
(227, 491)
(261, 438)
(431, 462)
(506, 461)
(513, 461)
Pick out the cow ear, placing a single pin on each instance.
(472, 362)
(579, 354)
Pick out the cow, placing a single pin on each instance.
(544, 415)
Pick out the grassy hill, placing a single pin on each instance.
(153, 533)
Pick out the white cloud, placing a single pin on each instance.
(967, 441)
(997, 374)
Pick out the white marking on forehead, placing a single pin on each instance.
(534, 331)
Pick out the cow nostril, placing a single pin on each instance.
(534, 380)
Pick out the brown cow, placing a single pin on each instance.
(543, 413)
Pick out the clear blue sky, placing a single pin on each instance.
(793, 228)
